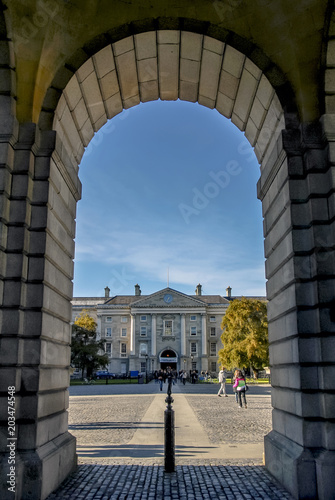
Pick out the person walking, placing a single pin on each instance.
(160, 379)
(184, 376)
(234, 388)
(222, 381)
(240, 385)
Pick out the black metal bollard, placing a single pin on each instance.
(169, 431)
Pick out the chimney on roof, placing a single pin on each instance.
(198, 290)
(228, 292)
(137, 290)
(107, 290)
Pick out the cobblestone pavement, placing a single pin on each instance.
(114, 413)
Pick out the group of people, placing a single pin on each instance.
(161, 376)
(239, 386)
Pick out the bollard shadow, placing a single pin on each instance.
(135, 451)
(92, 426)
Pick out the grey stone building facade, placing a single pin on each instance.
(166, 328)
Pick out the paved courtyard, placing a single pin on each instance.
(120, 437)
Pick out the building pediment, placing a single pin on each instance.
(168, 298)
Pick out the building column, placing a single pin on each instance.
(132, 335)
(182, 335)
(203, 334)
(98, 336)
(153, 334)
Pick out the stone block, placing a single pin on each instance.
(236, 120)
(306, 294)
(251, 132)
(11, 293)
(50, 403)
(168, 37)
(73, 93)
(168, 71)
(51, 428)
(80, 114)
(54, 252)
(245, 95)
(206, 101)
(93, 98)
(104, 61)
(282, 303)
(279, 229)
(325, 466)
(9, 377)
(56, 329)
(15, 238)
(287, 400)
(228, 84)
(308, 322)
(286, 352)
(213, 45)
(70, 128)
(9, 321)
(109, 85)
(53, 378)
(56, 278)
(285, 376)
(11, 265)
(127, 74)
(123, 46)
(188, 91)
(302, 240)
(86, 132)
(257, 113)
(145, 45)
(189, 70)
(147, 70)
(56, 304)
(114, 105)
(10, 351)
(191, 46)
(209, 74)
(85, 70)
(149, 91)
(131, 101)
(281, 278)
(39, 217)
(224, 105)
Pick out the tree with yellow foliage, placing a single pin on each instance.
(85, 349)
(245, 335)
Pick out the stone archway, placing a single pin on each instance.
(168, 58)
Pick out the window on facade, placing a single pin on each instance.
(108, 348)
(213, 366)
(213, 331)
(212, 319)
(194, 365)
(124, 319)
(142, 366)
(108, 318)
(193, 347)
(193, 330)
(193, 318)
(143, 331)
(167, 327)
(143, 349)
(123, 348)
(108, 332)
(143, 318)
(213, 348)
(123, 332)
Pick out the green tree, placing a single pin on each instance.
(245, 335)
(85, 349)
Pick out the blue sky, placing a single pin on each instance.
(169, 189)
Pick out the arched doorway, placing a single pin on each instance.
(168, 358)
(105, 71)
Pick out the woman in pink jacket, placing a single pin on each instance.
(240, 386)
